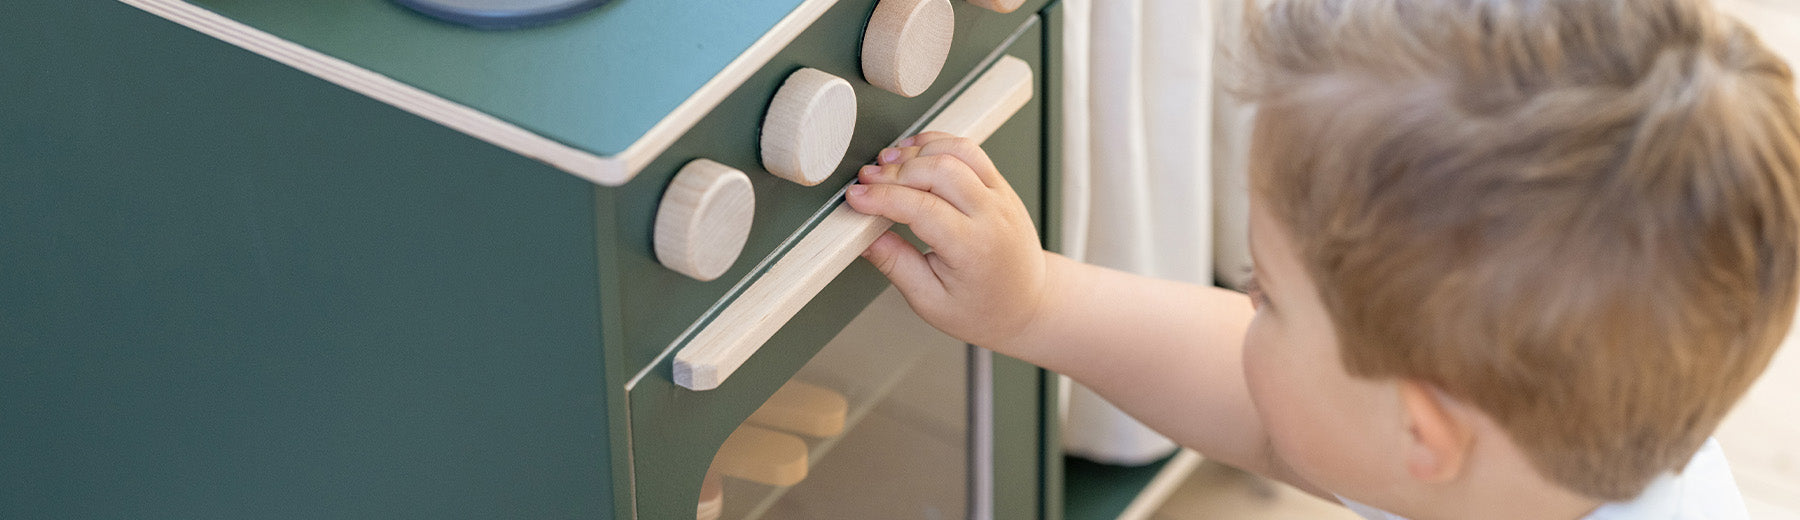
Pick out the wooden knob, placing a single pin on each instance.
(998, 6)
(905, 44)
(808, 126)
(704, 219)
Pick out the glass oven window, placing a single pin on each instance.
(876, 426)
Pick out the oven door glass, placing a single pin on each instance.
(876, 426)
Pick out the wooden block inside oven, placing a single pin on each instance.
(805, 409)
(762, 456)
(999, 6)
(905, 44)
(704, 219)
(712, 498)
(808, 126)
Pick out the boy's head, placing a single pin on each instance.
(1578, 217)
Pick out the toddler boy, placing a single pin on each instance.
(1516, 259)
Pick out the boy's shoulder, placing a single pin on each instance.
(1704, 490)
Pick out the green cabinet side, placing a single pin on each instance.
(231, 290)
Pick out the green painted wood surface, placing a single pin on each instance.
(231, 290)
(675, 432)
(1018, 410)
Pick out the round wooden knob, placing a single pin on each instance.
(999, 6)
(808, 126)
(905, 44)
(704, 219)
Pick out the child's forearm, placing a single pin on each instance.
(1168, 353)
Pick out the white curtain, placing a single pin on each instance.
(1139, 144)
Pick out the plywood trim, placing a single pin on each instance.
(768, 303)
(605, 170)
(685, 115)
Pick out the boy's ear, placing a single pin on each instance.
(1440, 434)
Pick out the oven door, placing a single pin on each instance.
(877, 425)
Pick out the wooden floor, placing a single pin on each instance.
(1761, 437)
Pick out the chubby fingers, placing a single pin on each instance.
(905, 266)
(940, 175)
(931, 217)
(966, 150)
(969, 153)
(925, 138)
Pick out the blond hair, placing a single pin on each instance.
(1578, 215)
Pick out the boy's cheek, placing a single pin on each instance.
(1294, 411)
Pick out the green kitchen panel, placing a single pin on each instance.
(675, 432)
(229, 289)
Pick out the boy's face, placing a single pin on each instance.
(1338, 432)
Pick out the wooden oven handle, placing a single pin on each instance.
(749, 321)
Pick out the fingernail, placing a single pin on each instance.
(889, 155)
(858, 189)
(907, 141)
(869, 170)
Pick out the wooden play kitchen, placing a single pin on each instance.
(344, 259)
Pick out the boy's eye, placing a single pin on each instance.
(1254, 290)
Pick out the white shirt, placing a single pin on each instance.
(1704, 490)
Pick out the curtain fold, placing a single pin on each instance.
(1137, 183)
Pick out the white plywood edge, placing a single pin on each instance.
(689, 112)
(1162, 485)
(768, 303)
(605, 170)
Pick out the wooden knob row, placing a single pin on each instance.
(706, 213)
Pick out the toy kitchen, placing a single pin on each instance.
(500, 259)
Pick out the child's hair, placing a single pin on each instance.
(1577, 215)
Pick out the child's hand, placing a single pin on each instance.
(984, 279)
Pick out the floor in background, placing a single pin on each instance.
(1761, 437)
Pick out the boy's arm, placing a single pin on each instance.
(1167, 353)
